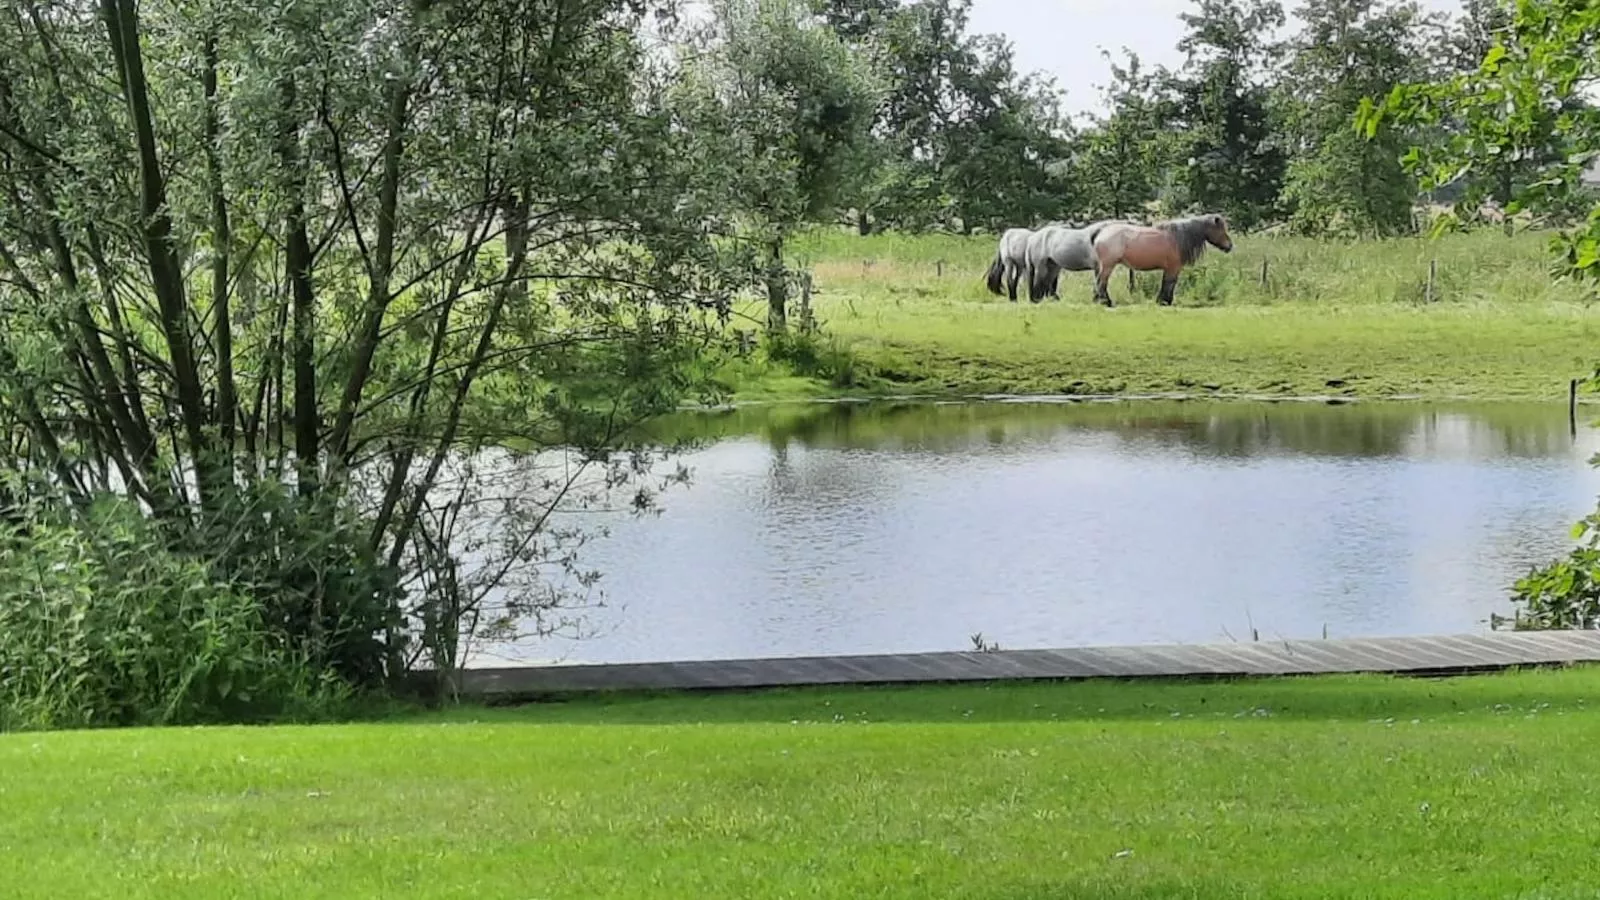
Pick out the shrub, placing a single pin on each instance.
(1565, 593)
(814, 355)
(101, 623)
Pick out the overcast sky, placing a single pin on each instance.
(1064, 37)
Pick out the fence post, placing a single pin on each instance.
(1572, 407)
(938, 268)
(1433, 265)
(808, 322)
(1263, 273)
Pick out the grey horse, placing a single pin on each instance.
(1055, 248)
(1010, 260)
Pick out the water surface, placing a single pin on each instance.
(912, 527)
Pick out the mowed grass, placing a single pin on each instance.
(1333, 317)
(1328, 787)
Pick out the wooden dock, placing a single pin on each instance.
(1443, 655)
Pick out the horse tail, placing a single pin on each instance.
(1094, 252)
(997, 271)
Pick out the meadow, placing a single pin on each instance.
(1358, 786)
(910, 314)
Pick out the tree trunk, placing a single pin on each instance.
(298, 261)
(221, 238)
(777, 288)
(516, 238)
(1502, 198)
(863, 224)
(381, 264)
(166, 273)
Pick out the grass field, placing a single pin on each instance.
(1350, 318)
(1330, 787)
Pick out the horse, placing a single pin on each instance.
(1168, 246)
(1009, 261)
(1059, 247)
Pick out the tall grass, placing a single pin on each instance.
(1467, 315)
(1483, 266)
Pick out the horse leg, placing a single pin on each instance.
(1103, 278)
(1055, 281)
(1169, 283)
(1047, 280)
(1013, 272)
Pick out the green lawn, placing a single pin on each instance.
(1351, 318)
(1327, 787)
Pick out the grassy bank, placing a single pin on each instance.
(1350, 318)
(1329, 787)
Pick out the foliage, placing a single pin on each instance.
(342, 247)
(1338, 183)
(789, 105)
(1234, 162)
(1564, 593)
(1127, 157)
(1520, 126)
(102, 624)
(961, 139)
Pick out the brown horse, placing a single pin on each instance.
(1168, 246)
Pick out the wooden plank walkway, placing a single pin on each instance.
(1450, 654)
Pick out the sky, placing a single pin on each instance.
(1064, 37)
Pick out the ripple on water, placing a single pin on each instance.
(909, 527)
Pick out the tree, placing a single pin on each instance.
(960, 137)
(1500, 136)
(341, 246)
(1337, 182)
(792, 105)
(1524, 102)
(1125, 159)
(1234, 162)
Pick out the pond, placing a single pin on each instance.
(905, 527)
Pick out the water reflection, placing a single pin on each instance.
(907, 527)
(1210, 429)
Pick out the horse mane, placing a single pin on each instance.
(1190, 233)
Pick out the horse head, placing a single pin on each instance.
(1217, 233)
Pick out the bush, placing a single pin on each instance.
(814, 355)
(101, 623)
(1564, 594)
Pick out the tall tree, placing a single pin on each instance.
(961, 137)
(793, 105)
(1235, 163)
(1347, 50)
(453, 223)
(1520, 123)
(1125, 159)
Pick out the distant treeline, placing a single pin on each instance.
(1257, 126)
